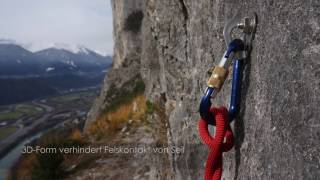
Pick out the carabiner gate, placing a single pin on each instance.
(237, 50)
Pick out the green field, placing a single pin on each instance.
(6, 131)
(19, 111)
(28, 109)
(10, 115)
(81, 99)
(66, 98)
(73, 96)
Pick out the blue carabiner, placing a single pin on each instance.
(236, 89)
(234, 107)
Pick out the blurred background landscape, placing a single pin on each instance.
(26, 76)
(53, 59)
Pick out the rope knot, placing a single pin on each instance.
(222, 142)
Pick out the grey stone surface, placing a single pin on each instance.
(127, 54)
(278, 128)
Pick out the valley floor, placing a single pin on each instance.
(21, 121)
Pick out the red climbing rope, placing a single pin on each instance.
(217, 145)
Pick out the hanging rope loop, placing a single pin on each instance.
(216, 144)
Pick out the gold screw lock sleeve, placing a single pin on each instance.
(219, 75)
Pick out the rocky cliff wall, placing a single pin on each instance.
(278, 129)
(127, 23)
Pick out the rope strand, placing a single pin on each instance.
(213, 169)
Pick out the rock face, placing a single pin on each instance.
(172, 43)
(127, 23)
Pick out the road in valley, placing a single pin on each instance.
(10, 148)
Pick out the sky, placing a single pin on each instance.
(39, 24)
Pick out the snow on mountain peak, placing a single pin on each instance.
(50, 69)
(71, 63)
(72, 48)
(83, 49)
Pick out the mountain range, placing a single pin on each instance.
(26, 75)
(17, 61)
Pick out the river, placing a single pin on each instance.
(11, 157)
(8, 161)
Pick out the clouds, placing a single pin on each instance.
(41, 23)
